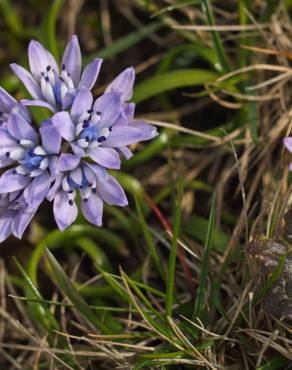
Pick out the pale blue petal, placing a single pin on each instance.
(112, 192)
(106, 157)
(72, 59)
(90, 74)
(38, 103)
(51, 139)
(5, 224)
(28, 80)
(82, 103)
(63, 123)
(10, 181)
(19, 128)
(37, 190)
(21, 221)
(64, 212)
(123, 84)
(92, 209)
(40, 59)
(68, 162)
(109, 106)
(7, 102)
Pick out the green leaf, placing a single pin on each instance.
(172, 80)
(39, 311)
(218, 46)
(152, 249)
(200, 297)
(173, 253)
(65, 284)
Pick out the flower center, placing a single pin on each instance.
(55, 87)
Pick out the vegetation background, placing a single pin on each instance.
(197, 271)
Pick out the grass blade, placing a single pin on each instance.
(172, 80)
(222, 58)
(173, 254)
(200, 298)
(65, 284)
(154, 254)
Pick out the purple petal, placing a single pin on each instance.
(65, 213)
(112, 192)
(51, 139)
(288, 143)
(72, 59)
(77, 150)
(27, 79)
(100, 172)
(40, 59)
(55, 187)
(53, 166)
(129, 110)
(126, 152)
(37, 190)
(7, 102)
(63, 123)
(106, 157)
(126, 135)
(68, 162)
(38, 103)
(10, 181)
(92, 209)
(5, 224)
(69, 98)
(123, 84)
(4, 161)
(90, 74)
(82, 103)
(19, 128)
(149, 131)
(109, 107)
(21, 221)
(6, 140)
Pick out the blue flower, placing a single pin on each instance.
(68, 156)
(50, 87)
(103, 128)
(32, 168)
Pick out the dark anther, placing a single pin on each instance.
(98, 113)
(14, 172)
(81, 186)
(94, 190)
(7, 154)
(85, 200)
(1, 113)
(61, 79)
(90, 184)
(42, 74)
(90, 111)
(85, 124)
(70, 202)
(18, 141)
(47, 79)
(101, 139)
(110, 129)
(63, 67)
(48, 68)
(70, 191)
(87, 139)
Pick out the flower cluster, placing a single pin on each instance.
(68, 156)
